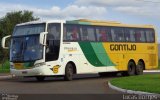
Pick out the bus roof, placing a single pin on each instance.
(39, 22)
(106, 23)
(32, 22)
(90, 22)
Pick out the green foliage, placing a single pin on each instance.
(8, 22)
(5, 67)
(159, 64)
(146, 83)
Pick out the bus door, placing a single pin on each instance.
(53, 41)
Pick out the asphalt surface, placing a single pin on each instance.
(82, 84)
(83, 87)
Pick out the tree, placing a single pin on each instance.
(8, 22)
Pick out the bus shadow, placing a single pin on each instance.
(81, 77)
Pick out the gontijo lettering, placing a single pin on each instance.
(122, 47)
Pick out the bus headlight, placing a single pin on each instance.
(39, 64)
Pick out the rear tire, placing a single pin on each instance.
(40, 78)
(131, 69)
(69, 72)
(139, 68)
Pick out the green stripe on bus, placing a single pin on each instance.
(102, 54)
(96, 54)
(90, 54)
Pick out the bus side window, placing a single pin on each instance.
(97, 34)
(74, 34)
(71, 33)
(64, 33)
(68, 33)
(84, 34)
(143, 37)
(140, 36)
(87, 33)
(150, 36)
(91, 34)
(113, 35)
(117, 34)
(132, 35)
(108, 34)
(101, 34)
(129, 35)
(120, 34)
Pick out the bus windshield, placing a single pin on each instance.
(25, 46)
(29, 29)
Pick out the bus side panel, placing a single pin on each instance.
(85, 59)
(73, 53)
(122, 53)
(97, 56)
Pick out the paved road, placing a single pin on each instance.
(82, 84)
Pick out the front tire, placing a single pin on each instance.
(69, 72)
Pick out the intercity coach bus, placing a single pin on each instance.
(66, 48)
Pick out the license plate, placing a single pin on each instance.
(24, 72)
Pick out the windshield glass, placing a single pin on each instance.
(28, 29)
(26, 47)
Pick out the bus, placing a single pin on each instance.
(66, 48)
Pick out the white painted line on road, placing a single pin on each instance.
(151, 71)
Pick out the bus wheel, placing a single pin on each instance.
(40, 78)
(139, 68)
(69, 72)
(131, 69)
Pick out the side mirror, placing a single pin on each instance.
(42, 38)
(4, 42)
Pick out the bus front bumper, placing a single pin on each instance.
(38, 71)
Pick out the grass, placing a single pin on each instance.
(147, 83)
(5, 68)
(159, 64)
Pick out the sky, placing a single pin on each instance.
(125, 11)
